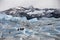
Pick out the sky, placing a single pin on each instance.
(6, 4)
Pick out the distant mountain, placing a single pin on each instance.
(32, 12)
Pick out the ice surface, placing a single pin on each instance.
(44, 25)
(39, 27)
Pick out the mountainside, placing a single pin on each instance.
(32, 12)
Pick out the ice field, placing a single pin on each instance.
(43, 28)
(30, 24)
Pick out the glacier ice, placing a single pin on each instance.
(41, 23)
